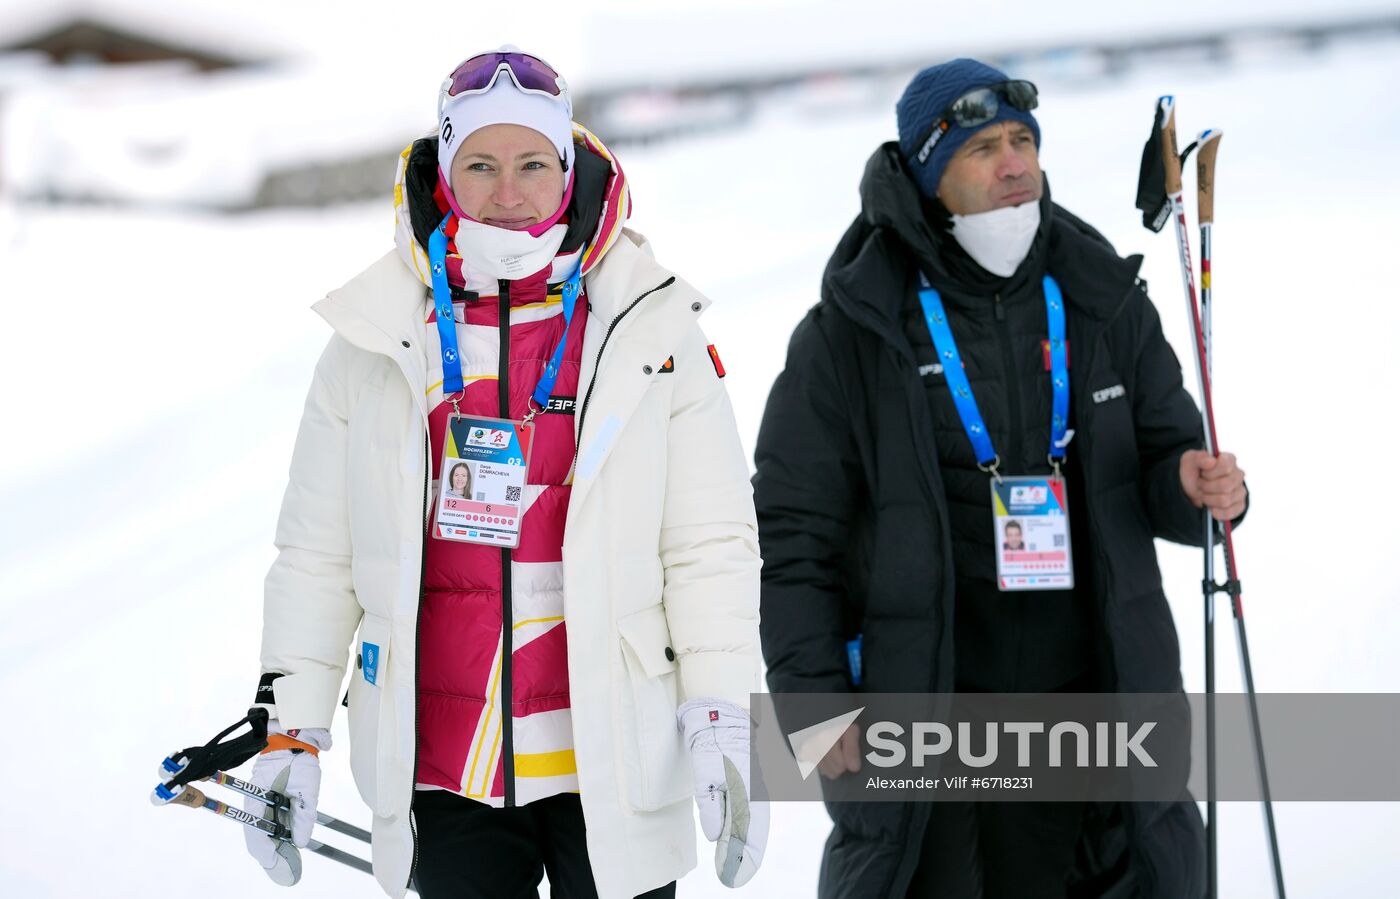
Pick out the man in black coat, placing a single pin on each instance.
(875, 511)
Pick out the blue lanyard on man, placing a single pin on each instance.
(447, 326)
(961, 389)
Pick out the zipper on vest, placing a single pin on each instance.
(1013, 395)
(583, 411)
(507, 619)
(418, 648)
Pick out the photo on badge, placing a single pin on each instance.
(458, 483)
(1031, 518)
(1013, 538)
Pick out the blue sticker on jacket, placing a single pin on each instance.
(369, 655)
(853, 659)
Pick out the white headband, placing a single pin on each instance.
(504, 104)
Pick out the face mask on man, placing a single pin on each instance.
(999, 240)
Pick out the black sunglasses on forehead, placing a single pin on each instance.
(978, 107)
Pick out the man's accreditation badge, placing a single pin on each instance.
(484, 463)
(1031, 518)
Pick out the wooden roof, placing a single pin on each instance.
(85, 38)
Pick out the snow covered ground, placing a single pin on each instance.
(148, 428)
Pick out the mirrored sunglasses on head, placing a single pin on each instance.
(978, 107)
(479, 73)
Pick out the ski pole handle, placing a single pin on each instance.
(191, 797)
(1206, 147)
(1170, 160)
(273, 798)
(267, 797)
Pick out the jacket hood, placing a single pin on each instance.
(898, 233)
(601, 202)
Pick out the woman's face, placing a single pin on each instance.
(459, 479)
(508, 176)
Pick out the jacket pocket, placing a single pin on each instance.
(371, 731)
(655, 771)
(1107, 423)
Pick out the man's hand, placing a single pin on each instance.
(1213, 483)
(843, 756)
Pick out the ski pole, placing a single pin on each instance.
(171, 769)
(192, 797)
(179, 768)
(1208, 144)
(273, 798)
(1172, 165)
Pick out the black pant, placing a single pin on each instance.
(992, 850)
(467, 849)
(997, 850)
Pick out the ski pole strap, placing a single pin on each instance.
(199, 762)
(936, 317)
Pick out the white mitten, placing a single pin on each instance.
(296, 774)
(717, 733)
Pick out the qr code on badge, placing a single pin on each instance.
(1059, 540)
(512, 494)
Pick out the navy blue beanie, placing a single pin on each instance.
(927, 97)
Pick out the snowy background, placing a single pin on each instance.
(155, 355)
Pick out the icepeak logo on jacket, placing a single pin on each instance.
(493, 692)
(1109, 393)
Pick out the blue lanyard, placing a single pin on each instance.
(447, 322)
(937, 320)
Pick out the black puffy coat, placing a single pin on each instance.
(854, 525)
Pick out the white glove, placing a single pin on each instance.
(717, 733)
(296, 775)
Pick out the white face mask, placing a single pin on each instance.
(1000, 239)
(491, 254)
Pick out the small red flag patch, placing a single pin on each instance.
(1045, 353)
(714, 713)
(714, 357)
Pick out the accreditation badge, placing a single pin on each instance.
(1031, 518)
(482, 487)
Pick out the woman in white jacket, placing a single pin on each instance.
(545, 671)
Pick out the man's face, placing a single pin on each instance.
(508, 176)
(998, 166)
(1013, 538)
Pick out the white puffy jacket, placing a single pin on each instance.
(660, 557)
